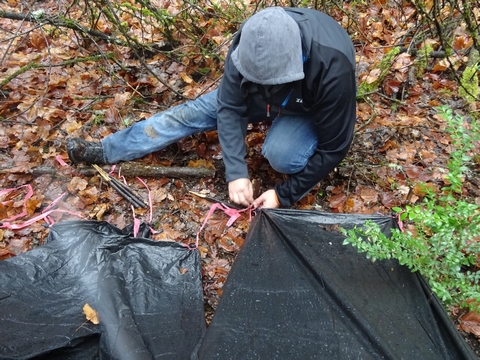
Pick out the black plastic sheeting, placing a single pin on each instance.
(148, 295)
(295, 292)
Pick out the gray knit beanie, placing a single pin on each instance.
(270, 48)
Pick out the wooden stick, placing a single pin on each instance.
(128, 196)
(125, 187)
(128, 169)
(121, 188)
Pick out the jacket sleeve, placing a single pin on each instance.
(231, 122)
(334, 123)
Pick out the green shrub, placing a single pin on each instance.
(443, 237)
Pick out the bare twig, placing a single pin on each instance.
(366, 123)
(132, 44)
(32, 66)
(73, 25)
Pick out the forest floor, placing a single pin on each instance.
(400, 141)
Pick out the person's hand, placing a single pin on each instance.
(240, 191)
(267, 200)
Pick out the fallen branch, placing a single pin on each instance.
(33, 66)
(137, 169)
(58, 22)
(127, 169)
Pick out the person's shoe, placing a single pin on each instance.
(79, 150)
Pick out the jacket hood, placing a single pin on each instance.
(269, 51)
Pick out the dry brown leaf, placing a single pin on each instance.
(111, 116)
(218, 39)
(160, 194)
(77, 184)
(33, 204)
(121, 99)
(337, 201)
(203, 251)
(402, 62)
(99, 211)
(307, 201)
(373, 76)
(5, 254)
(354, 204)
(370, 196)
(235, 235)
(226, 244)
(89, 195)
(462, 42)
(201, 162)
(19, 246)
(3, 212)
(470, 323)
(91, 314)
(389, 200)
(441, 65)
(169, 233)
(186, 78)
(38, 40)
(192, 91)
(71, 126)
(214, 230)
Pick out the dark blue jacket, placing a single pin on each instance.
(328, 94)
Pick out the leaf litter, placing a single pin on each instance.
(398, 144)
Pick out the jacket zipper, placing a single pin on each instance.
(284, 103)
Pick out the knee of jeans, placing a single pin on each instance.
(193, 114)
(283, 159)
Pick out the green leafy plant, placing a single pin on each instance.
(442, 241)
(127, 121)
(98, 117)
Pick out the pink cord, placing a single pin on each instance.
(233, 213)
(45, 215)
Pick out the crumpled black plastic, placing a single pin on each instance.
(295, 292)
(147, 293)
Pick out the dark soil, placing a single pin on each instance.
(472, 341)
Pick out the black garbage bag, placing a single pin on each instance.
(295, 292)
(148, 295)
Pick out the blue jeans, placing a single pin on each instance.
(289, 144)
